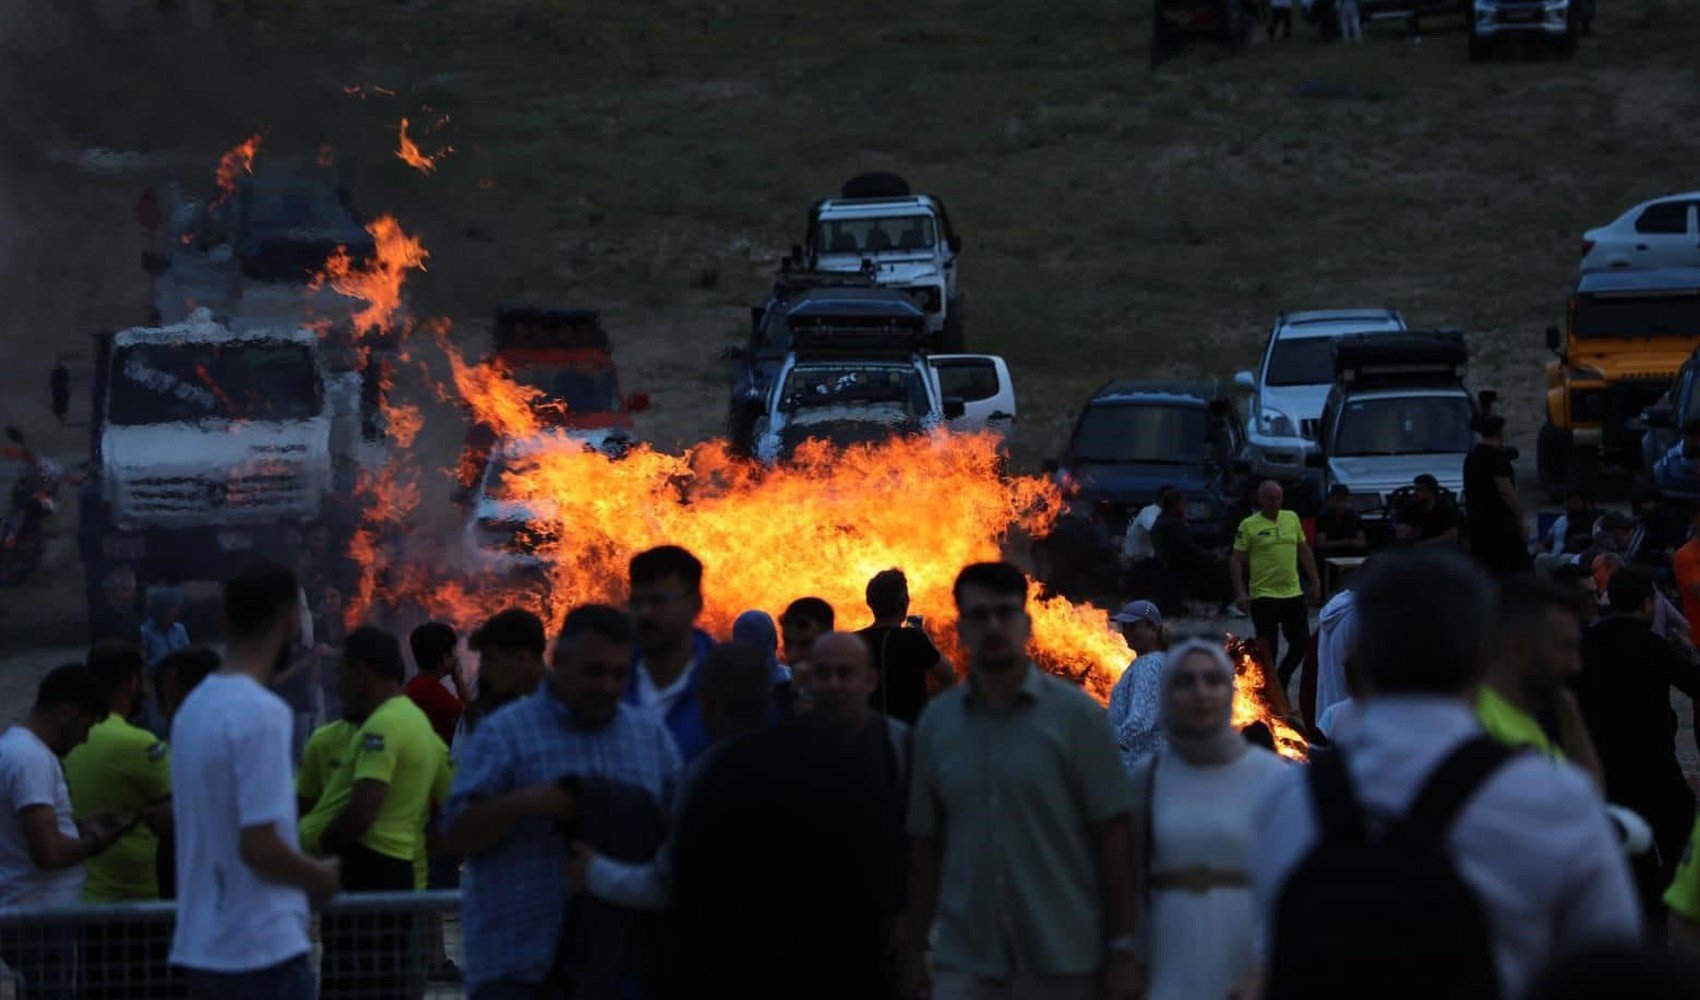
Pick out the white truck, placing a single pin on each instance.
(212, 448)
(903, 240)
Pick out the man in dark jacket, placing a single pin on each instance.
(1624, 691)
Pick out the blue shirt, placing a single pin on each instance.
(515, 901)
(157, 643)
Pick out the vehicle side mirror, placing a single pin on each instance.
(1316, 460)
(954, 408)
(637, 402)
(1245, 382)
(155, 263)
(1659, 416)
(1553, 338)
(955, 244)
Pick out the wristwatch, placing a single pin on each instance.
(1126, 944)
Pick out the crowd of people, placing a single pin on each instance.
(632, 808)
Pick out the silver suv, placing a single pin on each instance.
(1287, 395)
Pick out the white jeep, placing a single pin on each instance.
(903, 240)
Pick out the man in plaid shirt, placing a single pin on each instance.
(505, 812)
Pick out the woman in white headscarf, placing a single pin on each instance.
(1195, 804)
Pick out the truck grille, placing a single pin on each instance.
(256, 493)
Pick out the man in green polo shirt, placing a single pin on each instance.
(1537, 650)
(372, 812)
(1019, 815)
(1269, 550)
(126, 770)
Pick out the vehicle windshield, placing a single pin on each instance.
(1141, 433)
(1301, 361)
(1404, 425)
(583, 388)
(896, 234)
(171, 383)
(819, 386)
(1636, 316)
(293, 206)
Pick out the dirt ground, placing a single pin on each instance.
(654, 161)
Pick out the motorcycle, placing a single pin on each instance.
(34, 498)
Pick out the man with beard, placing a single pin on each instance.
(665, 600)
(518, 784)
(510, 665)
(1019, 815)
(1537, 655)
(244, 889)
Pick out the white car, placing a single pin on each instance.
(504, 534)
(1664, 232)
(1287, 395)
(860, 400)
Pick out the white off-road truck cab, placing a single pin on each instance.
(903, 240)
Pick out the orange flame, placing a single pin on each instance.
(408, 151)
(236, 161)
(1257, 700)
(377, 282)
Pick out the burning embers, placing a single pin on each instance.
(377, 282)
(236, 162)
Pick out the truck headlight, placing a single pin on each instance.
(1277, 424)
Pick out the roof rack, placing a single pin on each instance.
(1396, 358)
(885, 342)
(533, 326)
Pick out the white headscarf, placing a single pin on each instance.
(1221, 743)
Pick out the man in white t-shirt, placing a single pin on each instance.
(243, 885)
(42, 850)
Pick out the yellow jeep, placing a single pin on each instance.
(1626, 333)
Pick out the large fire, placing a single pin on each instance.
(821, 525)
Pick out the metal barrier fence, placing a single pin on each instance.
(366, 946)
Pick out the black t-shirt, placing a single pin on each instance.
(1432, 523)
(1338, 525)
(1484, 464)
(902, 656)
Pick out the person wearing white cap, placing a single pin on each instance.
(1135, 700)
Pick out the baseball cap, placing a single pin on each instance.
(514, 628)
(1138, 611)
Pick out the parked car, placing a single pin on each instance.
(1664, 232)
(900, 239)
(1135, 436)
(1494, 22)
(858, 388)
(565, 355)
(1399, 408)
(1626, 334)
(1297, 372)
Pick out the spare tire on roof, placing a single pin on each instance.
(876, 185)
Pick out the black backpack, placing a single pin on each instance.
(1367, 917)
